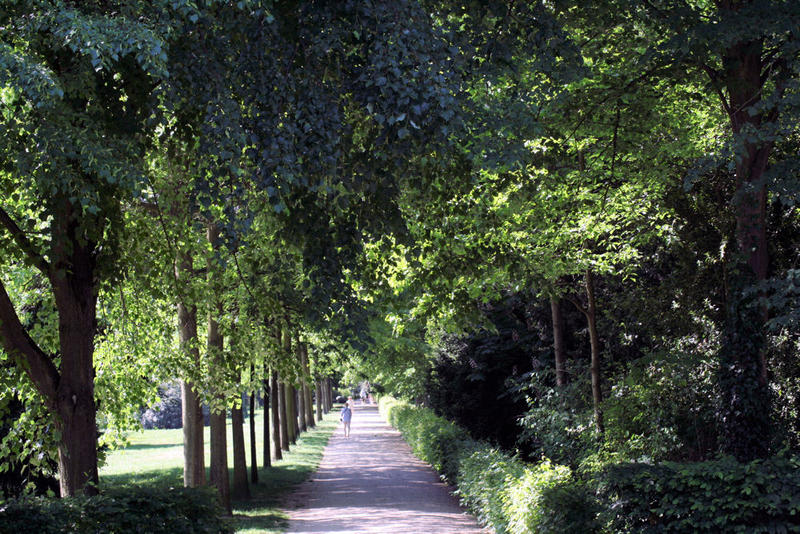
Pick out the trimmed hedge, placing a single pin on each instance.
(722, 495)
(512, 496)
(502, 491)
(140, 510)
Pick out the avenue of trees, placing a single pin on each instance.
(570, 227)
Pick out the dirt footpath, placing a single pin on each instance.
(371, 482)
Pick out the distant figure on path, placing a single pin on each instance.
(345, 416)
(364, 392)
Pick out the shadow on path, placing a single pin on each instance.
(371, 482)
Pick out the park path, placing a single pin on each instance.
(371, 482)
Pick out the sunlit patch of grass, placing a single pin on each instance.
(155, 458)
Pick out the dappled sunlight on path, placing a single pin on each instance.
(371, 482)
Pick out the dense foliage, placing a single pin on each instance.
(155, 511)
(714, 496)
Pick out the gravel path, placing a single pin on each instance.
(371, 482)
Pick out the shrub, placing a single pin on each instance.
(140, 510)
(547, 498)
(503, 491)
(722, 495)
(167, 412)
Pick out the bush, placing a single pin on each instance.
(154, 511)
(722, 495)
(501, 490)
(167, 413)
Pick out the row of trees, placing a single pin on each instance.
(638, 173)
(294, 182)
(227, 159)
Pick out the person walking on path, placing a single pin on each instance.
(345, 417)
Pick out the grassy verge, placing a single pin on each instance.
(155, 458)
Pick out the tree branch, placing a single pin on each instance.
(577, 304)
(27, 355)
(24, 243)
(713, 75)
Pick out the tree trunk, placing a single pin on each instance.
(329, 391)
(594, 338)
(282, 413)
(318, 394)
(743, 66)
(309, 408)
(194, 469)
(274, 396)
(291, 414)
(288, 391)
(75, 408)
(219, 445)
(253, 449)
(241, 489)
(67, 392)
(558, 342)
(301, 410)
(75, 292)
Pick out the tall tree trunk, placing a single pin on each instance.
(282, 415)
(594, 339)
(194, 469)
(75, 408)
(67, 390)
(241, 489)
(253, 448)
(318, 395)
(744, 404)
(291, 414)
(743, 67)
(307, 402)
(219, 445)
(268, 412)
(301, 410)
(75, 292)
(274, 396)
(329, 391)
(558, 341)
(288, 390)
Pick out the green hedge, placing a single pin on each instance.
(141, 510)
(715, 496)
(502, 491)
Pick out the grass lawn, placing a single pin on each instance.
(155, 458)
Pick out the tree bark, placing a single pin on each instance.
(594, 338)
(309, 408)
(268, 412)
(75, 407)
(282, 413)
(301, 408)
(219, 445)
(288, 391)
(274, 395)
(291, 414)
(743, 66)
(318, 395)
(253, 448)
(241, 489)
(558, 342)
(194, 470)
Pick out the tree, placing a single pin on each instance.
(77, 86)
